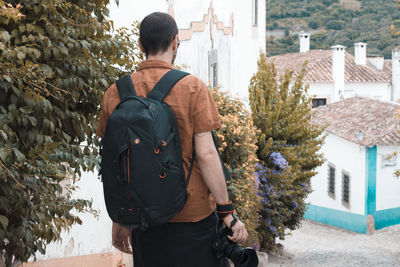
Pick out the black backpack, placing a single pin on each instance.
(141, 166)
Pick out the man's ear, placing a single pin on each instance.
(141, 46)
(175, 43)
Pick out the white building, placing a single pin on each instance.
(335, 74)
(220, 42)
(357, 179)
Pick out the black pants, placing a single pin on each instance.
(177, 245)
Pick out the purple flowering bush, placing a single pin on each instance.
(288, 149)
(282, 201)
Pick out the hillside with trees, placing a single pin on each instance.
(332, 22)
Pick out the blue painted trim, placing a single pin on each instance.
(346, 220)
(370, 180)
(385, 218)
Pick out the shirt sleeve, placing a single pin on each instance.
(205, 113)
(101, 126)
(110, 101)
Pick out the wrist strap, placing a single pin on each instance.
(224, 210)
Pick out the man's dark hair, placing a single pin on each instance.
(157, 31)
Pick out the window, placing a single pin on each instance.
(331, 181)
(214, 75)
(255, 12)
(316, 102)
(389, 160)
(213, 68)
(346, 189)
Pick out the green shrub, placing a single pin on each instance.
(333, 25)
(287, 149)
(313, 24)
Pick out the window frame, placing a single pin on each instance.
(331, 167)
(213, 68)
(319, 99)
(344, 202)
(255, 13)
(389, 160)
(214, 71)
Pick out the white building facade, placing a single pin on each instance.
(357, 178)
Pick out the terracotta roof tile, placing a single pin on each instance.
(378, 120)
(319, 68)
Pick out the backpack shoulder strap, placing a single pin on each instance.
(165, 84)
(224, 169)
(125, 87)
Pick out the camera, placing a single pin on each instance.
(224, 247)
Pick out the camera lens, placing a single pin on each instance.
(241, 257)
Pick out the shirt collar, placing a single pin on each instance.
(155, 64)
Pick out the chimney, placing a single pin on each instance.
(338, 66)
(396, 74)
(304, 42)
(376, 61)
(360, 53)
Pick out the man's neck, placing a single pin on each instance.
(163, 57)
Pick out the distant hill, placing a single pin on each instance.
(332, 22)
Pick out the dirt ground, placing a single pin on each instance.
(315, 244)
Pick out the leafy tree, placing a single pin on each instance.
(237, 140)
(287, 33)
(393, 28)
(56, 58)
(333, 25)
(288, 149)
(313, 24)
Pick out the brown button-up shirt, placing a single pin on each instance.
(195, 112)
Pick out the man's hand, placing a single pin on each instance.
(122, 238)
(239, 229)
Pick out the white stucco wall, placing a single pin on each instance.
(237, 53)
(193, 54)
(387, 186)
(346, 156)
(380, 91)
(129, 11)
(247, 43)
(321, 90)
(94, 235)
